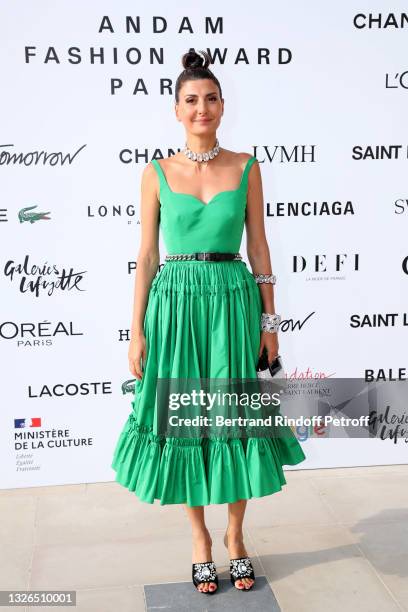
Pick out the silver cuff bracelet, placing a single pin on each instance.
(265, 278)
(270, 322)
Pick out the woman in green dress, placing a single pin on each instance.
(204, 315)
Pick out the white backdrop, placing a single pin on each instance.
(310, 121)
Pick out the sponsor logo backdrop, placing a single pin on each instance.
(318, 95)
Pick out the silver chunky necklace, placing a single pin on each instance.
(202, 157)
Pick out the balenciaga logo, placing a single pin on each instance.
(309, 209)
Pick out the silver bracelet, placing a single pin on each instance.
(270, 322)
(265, 278)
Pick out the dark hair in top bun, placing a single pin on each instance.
(195, 67)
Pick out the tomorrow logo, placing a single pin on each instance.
(36, 157)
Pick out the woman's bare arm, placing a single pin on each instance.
(148, 260)
(258, 252)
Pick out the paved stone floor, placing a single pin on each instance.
(332, 539)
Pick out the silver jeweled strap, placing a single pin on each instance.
(265, 278)
(270, 322)
(205, 572)
(241, 568)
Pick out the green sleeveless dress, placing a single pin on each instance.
(202, 320)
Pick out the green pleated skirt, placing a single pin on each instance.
(202, 321)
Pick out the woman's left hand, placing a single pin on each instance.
(270, 342)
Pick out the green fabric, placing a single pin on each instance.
(202, 320)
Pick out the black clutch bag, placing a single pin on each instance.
(274, 370)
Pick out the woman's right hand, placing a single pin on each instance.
(137, 352)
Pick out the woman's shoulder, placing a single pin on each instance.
(170, 161)
(240, 159)
(246, 157)
(151, 170)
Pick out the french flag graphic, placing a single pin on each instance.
(33, 422)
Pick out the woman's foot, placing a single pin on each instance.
(202, 544)
(234, 541)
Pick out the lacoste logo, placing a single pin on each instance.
(24, 215)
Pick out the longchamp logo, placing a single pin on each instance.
(46, 279)
(32, 217)
(104, 211)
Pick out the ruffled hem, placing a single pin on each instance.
(199, 472)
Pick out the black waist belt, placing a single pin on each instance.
(209, 256)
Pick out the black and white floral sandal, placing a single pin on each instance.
(241, 568)
(205, 572)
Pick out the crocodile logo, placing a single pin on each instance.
(24, 215)
(128, 386)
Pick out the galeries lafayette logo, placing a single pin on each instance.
(46, 279)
